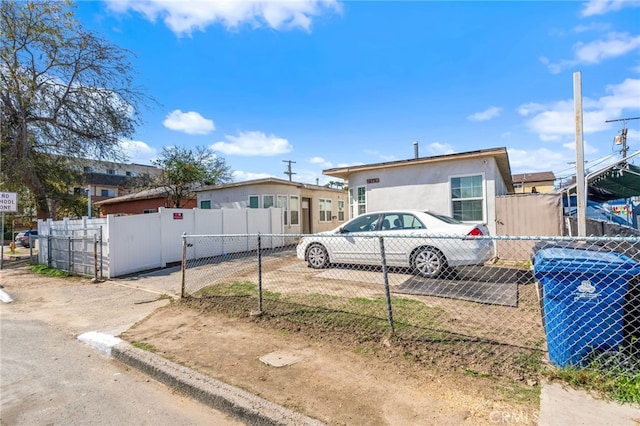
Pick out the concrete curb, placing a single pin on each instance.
(234, 401)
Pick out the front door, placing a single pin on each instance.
(306, 216)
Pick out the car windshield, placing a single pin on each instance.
(444, 218)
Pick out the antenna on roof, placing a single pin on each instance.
(289, 172)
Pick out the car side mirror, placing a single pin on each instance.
(342, 230)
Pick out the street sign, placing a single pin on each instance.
(8, 202)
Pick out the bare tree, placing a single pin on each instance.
(64, 92)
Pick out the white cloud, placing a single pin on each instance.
(321, 161)
(530, 108)
(241, 176)
(488, 114)
(616, 44)
(538, 160)
(556, 121)
(600, 7)
(253, 143)
(139, 152)
(190, 123)
(184, 17)
(437, 148)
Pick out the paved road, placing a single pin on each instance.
(48, 377)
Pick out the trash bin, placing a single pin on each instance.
(583, 301)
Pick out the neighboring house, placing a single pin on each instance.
(307, 208)
(108, 179)
(146, 201)
(462, 185)
(541, 182)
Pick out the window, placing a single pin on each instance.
(325, 210)
(362, 224)
(282, 203)
(397, 221)
(267, 201)
(254, 201)
(294, 203)
(107, 193)
(341, 210)
(467, 198)
(145, 211)
(129, 173)
(362, 199)
(87, 169)
(111, 172)
(205, 204)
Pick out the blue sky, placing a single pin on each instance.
(329, 84)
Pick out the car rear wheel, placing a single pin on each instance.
(428, 262)
(317, 256)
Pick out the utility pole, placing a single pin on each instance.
(581, 189)
(289, 172)
(622, 139)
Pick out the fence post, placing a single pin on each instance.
(69, 254)
(49, 250)
(95, 258)
(259, 274)
(387, 293)
(184, 264)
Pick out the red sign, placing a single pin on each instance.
(177, 216)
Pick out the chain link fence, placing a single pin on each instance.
(442, 300)
(75, 254)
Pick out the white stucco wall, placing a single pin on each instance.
(427, 186)
(238, 197)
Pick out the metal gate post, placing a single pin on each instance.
(387, 293)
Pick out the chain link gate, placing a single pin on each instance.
(78, 252)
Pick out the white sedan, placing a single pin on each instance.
(425, 241)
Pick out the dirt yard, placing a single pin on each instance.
(335, 383)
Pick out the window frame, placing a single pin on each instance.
(202, 203)
(482, 199)
(340, 210)
(284, 206)
(325, 205)
(256, 198)
(265, 204)
(294, 213)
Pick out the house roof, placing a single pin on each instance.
(500, 155)
(533, 177)
(266, 181)
(140, 195)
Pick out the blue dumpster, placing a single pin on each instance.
(583, 301)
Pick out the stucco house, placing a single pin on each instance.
(541, 182)
(307, 208)
(146, 201)
(462, 185)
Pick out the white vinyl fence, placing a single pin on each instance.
(129, 244)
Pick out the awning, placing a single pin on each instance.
(621, 181)
(614, 182)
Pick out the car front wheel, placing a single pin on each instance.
(317, 256)
(428, 262)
